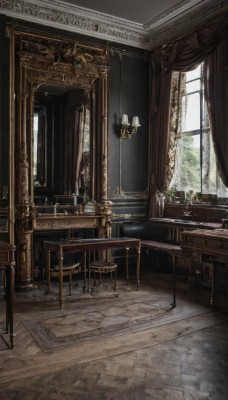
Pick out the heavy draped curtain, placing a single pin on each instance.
(217, 99)
(182, 55)
(41, 150)
(74, 124)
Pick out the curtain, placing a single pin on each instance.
(177, 88)
(217, 98)
(74, 117)
(182, 55)
(77, 147)
(41, 149)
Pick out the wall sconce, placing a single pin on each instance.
(126, 129)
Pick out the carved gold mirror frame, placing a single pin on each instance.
(40, 59)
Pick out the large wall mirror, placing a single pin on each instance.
(60, 136)
(62, 128)
(62, 119)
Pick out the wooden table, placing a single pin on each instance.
(206, 245)
(7, 264)
(89, 245)
(176, 226)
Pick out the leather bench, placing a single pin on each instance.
(154, 238)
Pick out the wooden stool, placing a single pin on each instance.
(68, 270)
(102, 267)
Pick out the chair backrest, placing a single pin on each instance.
(147, 230)
(155, 231)
(134, 229)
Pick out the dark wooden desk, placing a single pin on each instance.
(205, 245)
(7, 264)
(89, 245)
(176, 226)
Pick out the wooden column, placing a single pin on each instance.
(23, 202)
(105, 206)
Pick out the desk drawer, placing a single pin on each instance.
(210, 243)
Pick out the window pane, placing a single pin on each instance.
(193, 86)
(190, 112)
(190, 171)
(187, 170)
(196, 73)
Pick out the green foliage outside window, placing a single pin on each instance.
(190, 167)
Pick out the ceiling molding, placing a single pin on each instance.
(169, 25)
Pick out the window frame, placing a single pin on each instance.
(204, 129)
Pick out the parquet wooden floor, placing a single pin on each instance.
(145, 350)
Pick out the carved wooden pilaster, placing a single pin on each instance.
(104, 136)
(105, 206)
(23, 204)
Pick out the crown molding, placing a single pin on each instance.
(165, 27)
(183, 19)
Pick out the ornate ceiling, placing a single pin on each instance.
(145, 24)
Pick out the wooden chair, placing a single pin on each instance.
(102, 267)
(68, 270)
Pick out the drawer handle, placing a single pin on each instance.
(204, 242)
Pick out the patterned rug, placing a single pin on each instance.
(94, 327)
(115, 317)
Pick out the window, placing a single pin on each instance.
(195, 166)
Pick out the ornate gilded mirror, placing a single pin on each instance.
(65, 105)
(80, 70)
(61, 140)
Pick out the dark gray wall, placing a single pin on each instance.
(128, 159)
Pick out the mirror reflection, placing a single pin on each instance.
(61, 141)
(39, 146)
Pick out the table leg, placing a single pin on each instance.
(138, 265)
(173, 304)
(84, 289)
(48, 263)
(213, 284)
(89, 288)
(126, 262)
(115, 273)
(60, 278)
(10, 302)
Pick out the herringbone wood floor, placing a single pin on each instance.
(178, 354)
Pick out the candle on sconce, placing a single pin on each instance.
(135, 121)
(124, 119)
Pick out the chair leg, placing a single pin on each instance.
(115, 273)
(70, 283)
(89, 289)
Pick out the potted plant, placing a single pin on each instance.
(170, 194)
